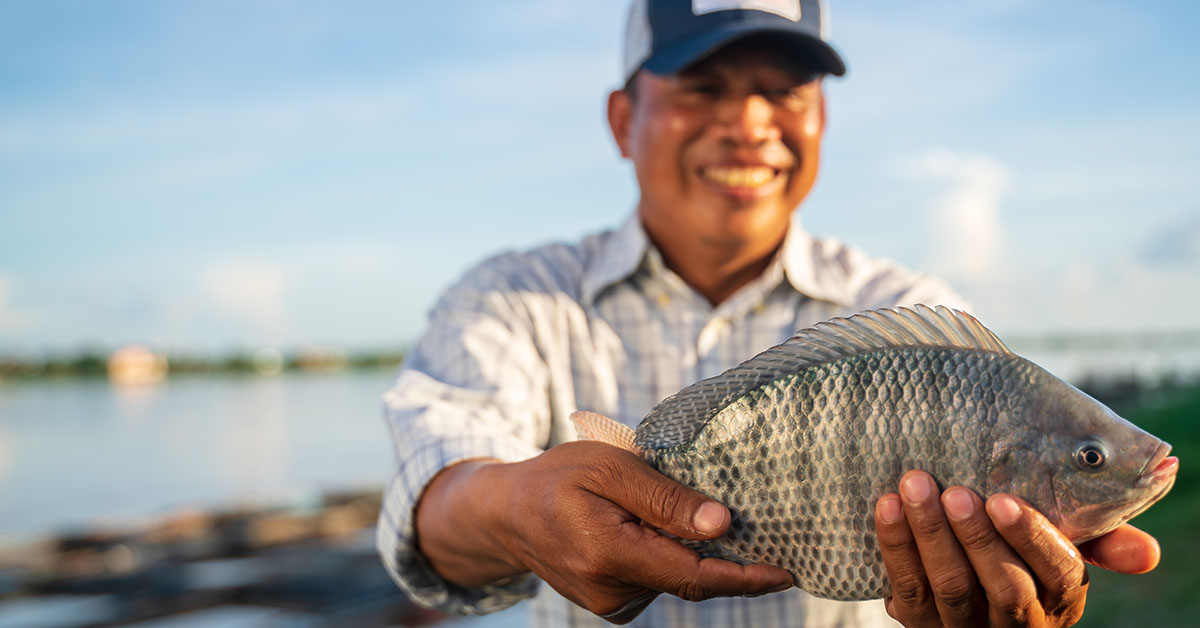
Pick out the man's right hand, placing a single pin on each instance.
(586, 518)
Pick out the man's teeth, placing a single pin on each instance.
(739, 177)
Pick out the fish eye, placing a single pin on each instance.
(1090, 455)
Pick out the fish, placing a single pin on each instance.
(800, 441)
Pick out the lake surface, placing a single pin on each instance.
(77, 452)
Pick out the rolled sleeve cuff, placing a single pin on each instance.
(397, 532)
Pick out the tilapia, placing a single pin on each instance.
(801, 440)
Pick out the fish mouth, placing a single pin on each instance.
(1167, 483)
(1159, 467)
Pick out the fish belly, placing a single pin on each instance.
(801, 461)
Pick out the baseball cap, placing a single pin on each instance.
(666, 36)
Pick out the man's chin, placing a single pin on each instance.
(748, 223)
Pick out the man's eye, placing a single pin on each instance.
(792, 97)
(704, 89)
(782, 94)
(793, 91)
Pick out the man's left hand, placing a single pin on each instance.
(953, 561)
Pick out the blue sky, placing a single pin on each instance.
(203, 176)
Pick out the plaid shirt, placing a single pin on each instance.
(524, 339)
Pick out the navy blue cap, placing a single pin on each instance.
(666, 36)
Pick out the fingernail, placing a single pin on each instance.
(708, 518)
(889, 509)
(958, 503)
(1004, 510)
(915, 488)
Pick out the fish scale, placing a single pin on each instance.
(843, 450)
(800, 441)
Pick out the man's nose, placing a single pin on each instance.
(750, 120)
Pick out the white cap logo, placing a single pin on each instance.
(789, 9)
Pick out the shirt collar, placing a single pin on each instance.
(620, 255)
(803, 259)
(810, 268)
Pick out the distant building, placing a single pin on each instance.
(320, 360)
(136, 365)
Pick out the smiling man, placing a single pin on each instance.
(494, 501)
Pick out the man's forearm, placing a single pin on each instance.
(458, 525)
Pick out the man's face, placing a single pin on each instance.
(724, 150)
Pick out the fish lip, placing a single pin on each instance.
(1150, 501)
(1148, 472)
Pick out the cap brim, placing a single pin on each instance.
(680, 56)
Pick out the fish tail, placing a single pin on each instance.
(592, 426)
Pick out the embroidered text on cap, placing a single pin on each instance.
(789, 9)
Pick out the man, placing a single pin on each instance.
(722, 117)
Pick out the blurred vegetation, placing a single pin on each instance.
(94, 363)
(1169, 595)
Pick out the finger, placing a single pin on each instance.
(626, 480)
(911, 601)
(1012, 594)
(650, 560)
(956, 592)
(1053, 560)
(1124, 550)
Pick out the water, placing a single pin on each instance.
(75, 453)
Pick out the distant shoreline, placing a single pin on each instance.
(261, 362)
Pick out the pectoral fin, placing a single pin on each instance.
(592, 426)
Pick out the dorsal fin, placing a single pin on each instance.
(681, 416)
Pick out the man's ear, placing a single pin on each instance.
(823, 114)
(620, 119)
(820, 112)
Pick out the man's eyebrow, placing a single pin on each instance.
(700, 71)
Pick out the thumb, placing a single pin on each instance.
(663, 502)
(1124, 550)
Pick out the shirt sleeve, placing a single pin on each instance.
(473, 387)
(931, 291)
(877, 282)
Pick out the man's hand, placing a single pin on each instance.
(955, 561)
(584, 516)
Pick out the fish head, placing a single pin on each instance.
(1097, 469)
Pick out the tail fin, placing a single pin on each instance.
(592, 426)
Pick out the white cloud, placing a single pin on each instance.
(966, 211)
(1119, 293)
(250, 292)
